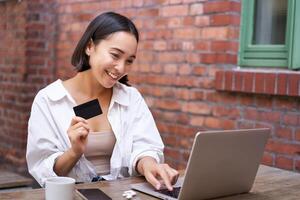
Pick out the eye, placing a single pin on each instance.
(129, 62)
(115, 56)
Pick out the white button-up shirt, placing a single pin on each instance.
(131, 121)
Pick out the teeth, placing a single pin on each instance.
(112, 75)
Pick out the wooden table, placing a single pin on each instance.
(10, 179)
(270, 184)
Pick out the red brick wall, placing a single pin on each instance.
(12, 65)
(27, 57)
(183, 44)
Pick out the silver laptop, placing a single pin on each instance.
(221, 163)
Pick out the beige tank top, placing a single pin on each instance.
(99, 149)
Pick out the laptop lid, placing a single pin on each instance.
(221, 163)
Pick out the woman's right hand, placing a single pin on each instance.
(78, 132)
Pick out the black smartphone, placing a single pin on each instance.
(94, 194)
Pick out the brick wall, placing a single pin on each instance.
(184, 44)
(12, 65)
(27, 58)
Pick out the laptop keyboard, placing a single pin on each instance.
(174, 193)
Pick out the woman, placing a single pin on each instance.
(120, 142)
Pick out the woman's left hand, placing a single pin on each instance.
(157, 174)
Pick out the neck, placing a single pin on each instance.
(91, 88)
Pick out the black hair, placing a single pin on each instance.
(98, 29)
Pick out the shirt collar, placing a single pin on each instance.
(120, 94)
(56, 91)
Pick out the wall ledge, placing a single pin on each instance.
(259, 81)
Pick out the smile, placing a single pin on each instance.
(112, 75)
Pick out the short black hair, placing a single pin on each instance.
(98, 29)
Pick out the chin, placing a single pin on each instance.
(109, 85)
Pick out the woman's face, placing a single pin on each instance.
(111, 57)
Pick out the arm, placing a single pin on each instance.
(148, 167)
(44, 145)
(147, 152)
(77, 132)
(65, 163)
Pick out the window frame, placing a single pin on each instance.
(283, 56)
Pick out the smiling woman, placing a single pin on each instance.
(110, 58)
(101, 28)
(120, 142)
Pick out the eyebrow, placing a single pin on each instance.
(117, 49)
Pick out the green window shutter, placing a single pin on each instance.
(270, 55)
(294, 56)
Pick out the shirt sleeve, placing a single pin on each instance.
(42, 144)
(146, 138)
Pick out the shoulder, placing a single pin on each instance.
(53, 92)
(128, 93)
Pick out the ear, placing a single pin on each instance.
(89, 47)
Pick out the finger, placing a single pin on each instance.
(173, 174)
(81, 119)
(165, 177)
(83, 133)
(152, 180)
(79, 131)
(79, 125)
(76, 119)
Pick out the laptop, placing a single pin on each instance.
(221, 163)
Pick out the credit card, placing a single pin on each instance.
(88, 110)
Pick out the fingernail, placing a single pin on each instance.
(157, 186)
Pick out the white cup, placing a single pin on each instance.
(60, 188)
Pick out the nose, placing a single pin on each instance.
(120, 67)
